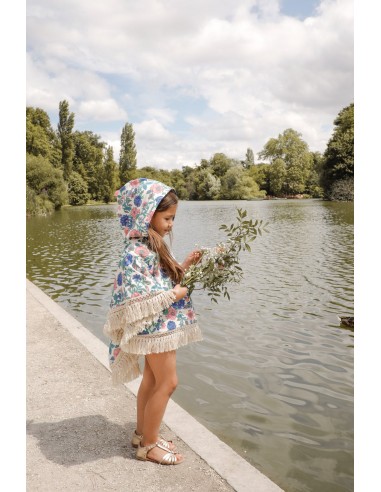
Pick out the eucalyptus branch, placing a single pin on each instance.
(219, 266)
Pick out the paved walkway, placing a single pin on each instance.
(79, 425)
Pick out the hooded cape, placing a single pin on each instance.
(143, 317)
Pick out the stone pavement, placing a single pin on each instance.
(79, 425)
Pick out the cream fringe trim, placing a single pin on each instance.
(126, 366)
(128, 319)
(157, 343)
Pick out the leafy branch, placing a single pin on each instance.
(219, 266)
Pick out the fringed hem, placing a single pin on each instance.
(133, 316)
(157, 343)
(125, 368)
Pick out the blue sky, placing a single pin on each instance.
(194, 78)
(299, 8)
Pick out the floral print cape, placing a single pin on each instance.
(144, 317)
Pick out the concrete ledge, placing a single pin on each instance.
(242, 476)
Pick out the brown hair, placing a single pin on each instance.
(159, 246)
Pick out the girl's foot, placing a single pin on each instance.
(136, 439)
(158, 454)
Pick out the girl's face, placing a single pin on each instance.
(162, 222)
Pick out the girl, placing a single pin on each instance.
(150, 313)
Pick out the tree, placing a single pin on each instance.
(127, 158)
(259, 172)
(249, 160)
(220, 163)
(207, 186)
(65, 127)
(294, 152)
(77, 189)
(277, 175)
(338, 161)
(237, 184)
(46, 182)
(40, 137)
(179, 184)
(111, 173)
(88, 161)
(313, 187)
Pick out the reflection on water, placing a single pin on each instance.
(273, 377)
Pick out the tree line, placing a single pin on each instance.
(66, 166)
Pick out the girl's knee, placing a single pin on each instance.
(173, 384)
(168, 385)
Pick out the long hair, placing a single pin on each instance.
(159, 246)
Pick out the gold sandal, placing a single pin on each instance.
(136, 438)
(170, 458)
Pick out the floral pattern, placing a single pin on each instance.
(137, 202)
(139, 273)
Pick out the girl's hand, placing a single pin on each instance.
(192, 259)
(179, 291)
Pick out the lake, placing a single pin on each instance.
(273, 377)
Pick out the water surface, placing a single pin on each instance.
(273, 377)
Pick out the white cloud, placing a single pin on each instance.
(151, 131)
(101, 110)
(257, 71)
(163, 115)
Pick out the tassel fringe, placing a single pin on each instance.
(125, 368)
(133, 316)
(157, 343)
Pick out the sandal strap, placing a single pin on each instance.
(148, 448)
(159, 445)
(165, 443)
(169, 458)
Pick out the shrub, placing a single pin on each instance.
(342, 190)
(77, 188)
(46, 182)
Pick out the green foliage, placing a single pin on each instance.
(292, 168)
(277, 173)
(88, 161)
(179, 184)
(127, 158)
(46, 182)
(342, 190)
(338, 164)
(219, 266)
(37, 204)
(237, 184)
(298, 161)
(313, 187)
(249, 158)
(220, 164)
(77, 189)
(65, 127)
(40, 137)
(111, 175)
(206, 185)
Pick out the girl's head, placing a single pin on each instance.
(147, 208)
(160, 225)
(162, 220)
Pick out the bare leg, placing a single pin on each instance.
(145, 391)
(163, 367)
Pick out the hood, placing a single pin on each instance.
(137, 202)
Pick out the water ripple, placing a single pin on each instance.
(274, 375)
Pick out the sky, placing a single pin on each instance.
(193, 78)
